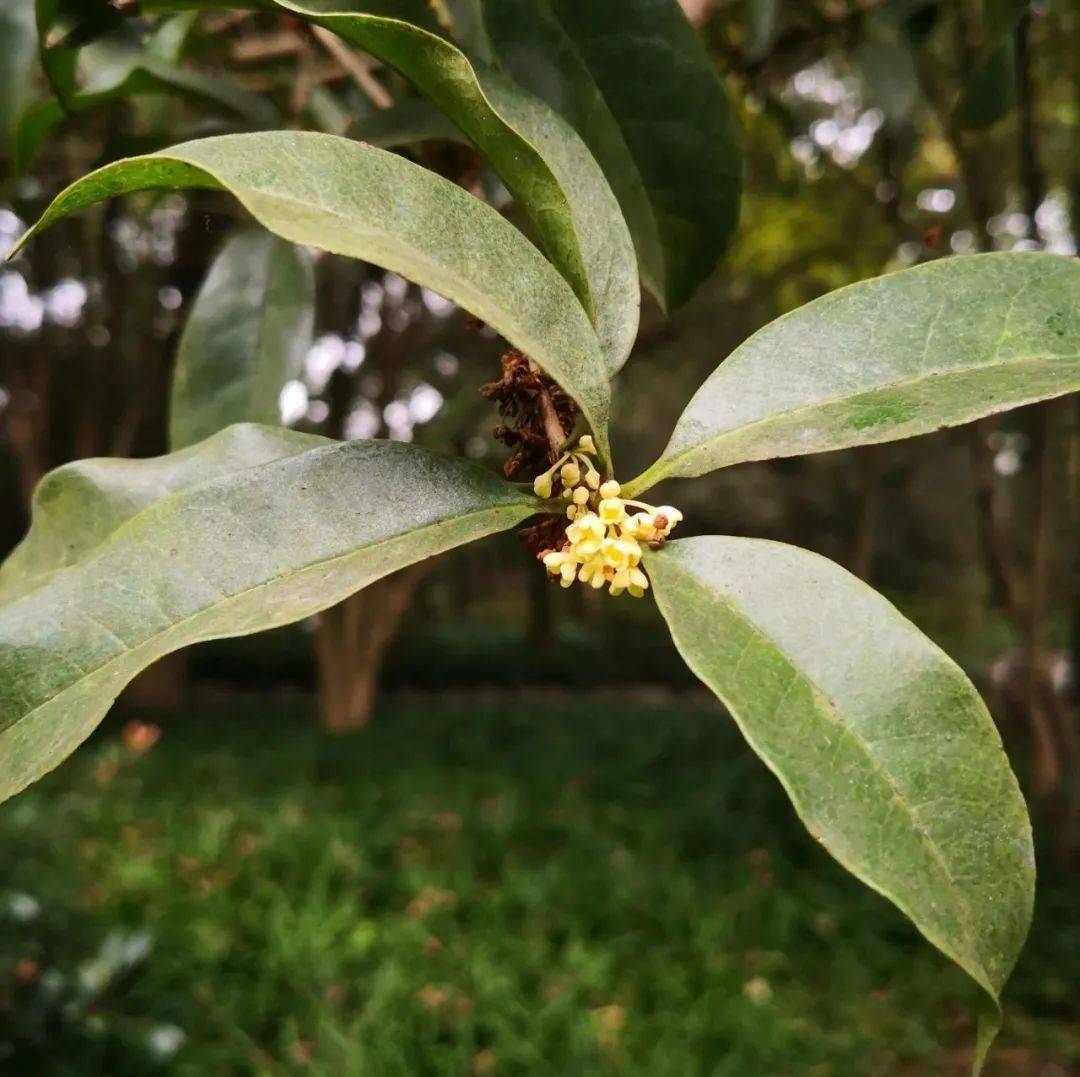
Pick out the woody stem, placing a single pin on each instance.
(553, 428)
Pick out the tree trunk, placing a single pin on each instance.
(162, 687)
(351, 641)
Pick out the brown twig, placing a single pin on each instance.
(553, 427)
(257, 49)
(355, 66)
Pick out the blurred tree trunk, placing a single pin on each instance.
(162, 687)
(351, 641)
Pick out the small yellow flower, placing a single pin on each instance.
(612, 511)
(554, 560)
(621, 552)
(592, 572)
(542, 485)
(604, 543)
(586, 444)
(587, 526)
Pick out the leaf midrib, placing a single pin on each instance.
(832, 711)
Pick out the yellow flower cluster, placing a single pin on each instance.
(603, 542)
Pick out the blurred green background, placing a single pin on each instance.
(544, 850)
(491, 882)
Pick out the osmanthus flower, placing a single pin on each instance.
(602, 544)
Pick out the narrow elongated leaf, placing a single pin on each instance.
(886, 65)
(355, 200)
(280, 530)
(64, 26)
(544, 164)
(933, 346)
(246, 336)
(886, 750)
(761, 21)
(77, 507)
(117, 67)
(989, 92)
(605, 239)
(18, 45)
(638, 85)
(465, 20)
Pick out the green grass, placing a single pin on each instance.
(548, 885)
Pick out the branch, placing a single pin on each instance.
(360, 71)
(553, 428)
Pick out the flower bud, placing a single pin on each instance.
(570, 474)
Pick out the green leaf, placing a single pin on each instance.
(887, 70)
(905, 354)
(989, 92)
(64, 26)
(465, 21)
(633, 78)
(116, 67)
(18, 46)
(761, 21)
(246, 336)
(884, 747)
(250, 530)
(77, 507)
(605, 239)
(1000, 17)
(346, 198)
(540, 158)
(542, 161)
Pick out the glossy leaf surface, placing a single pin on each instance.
(246, 335)
(633, 78)
(252, 529)
(886, 750)
(905, 354)
(340, 196)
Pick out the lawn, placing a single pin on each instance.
(478, 884)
